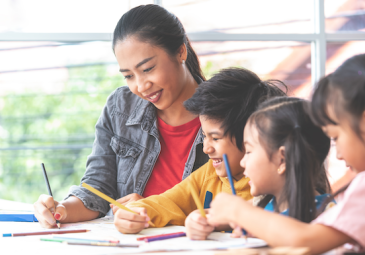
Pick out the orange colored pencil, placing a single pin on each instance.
(109, 199)
(196, 197)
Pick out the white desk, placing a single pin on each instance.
(100, 229)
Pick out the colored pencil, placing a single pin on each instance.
(168, 234)
(105, 244)
(230, 178)
(49, 190)
(94, 243)
(50, 232)
(196, 197)
(52, 240)
(173, 235)
(56, 237)
(109, 199)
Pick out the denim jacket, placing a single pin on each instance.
(125, 150)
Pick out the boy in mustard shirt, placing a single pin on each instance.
(223, 103)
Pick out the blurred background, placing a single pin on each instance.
(57, 69)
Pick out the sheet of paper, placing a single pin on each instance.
(102, 229)
(229, 241)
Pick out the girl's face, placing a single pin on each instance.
(151, 73)
(348, 144)
(266, 176)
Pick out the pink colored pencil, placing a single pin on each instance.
(162, 235)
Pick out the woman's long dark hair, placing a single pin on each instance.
(155, 25)
(284, 122)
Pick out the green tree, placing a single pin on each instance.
(57, 130)
(54, 129)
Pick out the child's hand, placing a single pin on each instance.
(130, 223)
(126, 200)
(236, 232)
(223, 209)
(197, 227)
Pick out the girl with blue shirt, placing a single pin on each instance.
(284, 159)
(338, 108)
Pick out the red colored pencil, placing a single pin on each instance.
(156, 236)
(46, 232)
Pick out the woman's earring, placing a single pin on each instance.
(279, 170)
(183, 62)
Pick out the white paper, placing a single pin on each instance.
(103, 229)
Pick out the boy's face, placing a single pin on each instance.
(215, 145)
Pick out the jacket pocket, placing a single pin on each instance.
(127, 155)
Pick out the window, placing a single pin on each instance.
(57, 69)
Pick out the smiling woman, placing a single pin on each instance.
(145, 140)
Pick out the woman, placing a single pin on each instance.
(145, 141)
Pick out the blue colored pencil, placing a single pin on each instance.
(230, 178)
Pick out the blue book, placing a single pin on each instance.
(19, 217)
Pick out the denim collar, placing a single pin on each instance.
(144, 114)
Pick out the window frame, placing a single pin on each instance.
(318, 39)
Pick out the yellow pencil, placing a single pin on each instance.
(196, 197)
(110, 200)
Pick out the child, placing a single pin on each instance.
(223, 103)
(285, 153)
(338, 106)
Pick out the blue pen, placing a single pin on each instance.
(230, 178)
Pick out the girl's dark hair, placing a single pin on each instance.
(230, 97)
(284, 122)
(344, 91)
(155, 25)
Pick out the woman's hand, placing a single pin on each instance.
(197, 227)
(223, 209)
(130, 223)
(125, 200)
(47, 211)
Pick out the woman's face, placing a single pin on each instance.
(151, 73)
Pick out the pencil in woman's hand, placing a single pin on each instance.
(49, 190)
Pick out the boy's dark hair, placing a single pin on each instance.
(230, 97)
(284, 122)
(344, 91)
(154, 24)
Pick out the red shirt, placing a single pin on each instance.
(176, 143)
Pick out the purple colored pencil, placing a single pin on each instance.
(164, 237)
